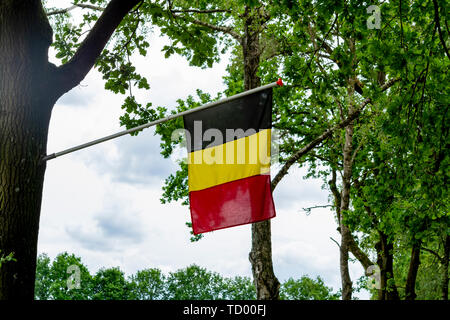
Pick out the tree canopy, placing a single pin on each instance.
(365, 109)
(189, 283)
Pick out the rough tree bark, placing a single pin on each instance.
(410, 287)
(266, 283)
(345, 204)
(345, 198)
(445, 268)
(25, 108)
(385, 261)
(29, 88)
(353, 246)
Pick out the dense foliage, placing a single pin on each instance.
(53, 282)
(380, 91)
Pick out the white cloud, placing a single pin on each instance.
(102, 203)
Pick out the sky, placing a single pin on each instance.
(103, 203)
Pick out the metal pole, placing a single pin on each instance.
(153, 123)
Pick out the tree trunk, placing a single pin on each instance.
(266, 283)
(352, 245)
(385, 261)
(25, 109)
(29, 88)
(344, 248)
(410, 287)
(345, 201)
(445, 268)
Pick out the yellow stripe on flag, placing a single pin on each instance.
(234, 160)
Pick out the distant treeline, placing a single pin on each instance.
(67, 278)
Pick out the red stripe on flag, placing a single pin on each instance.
(231, 204)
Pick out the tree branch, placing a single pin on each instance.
(327, 133)
(89, 6)
(352, 245)
(61, 11)
(314, 38)
(325, 159)
(434, 253)
(336, 194)
(227, 30)
(438, 24)
(360, 255)
(201, 11)
(337, 243)
(308, 209)
(78, 5)
(356, 152)
(73, 72)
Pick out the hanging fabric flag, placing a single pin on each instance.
(229, 163)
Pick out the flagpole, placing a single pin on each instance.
(162, 120)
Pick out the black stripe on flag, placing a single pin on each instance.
(253, 111)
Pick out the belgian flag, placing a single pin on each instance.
(229, 162)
